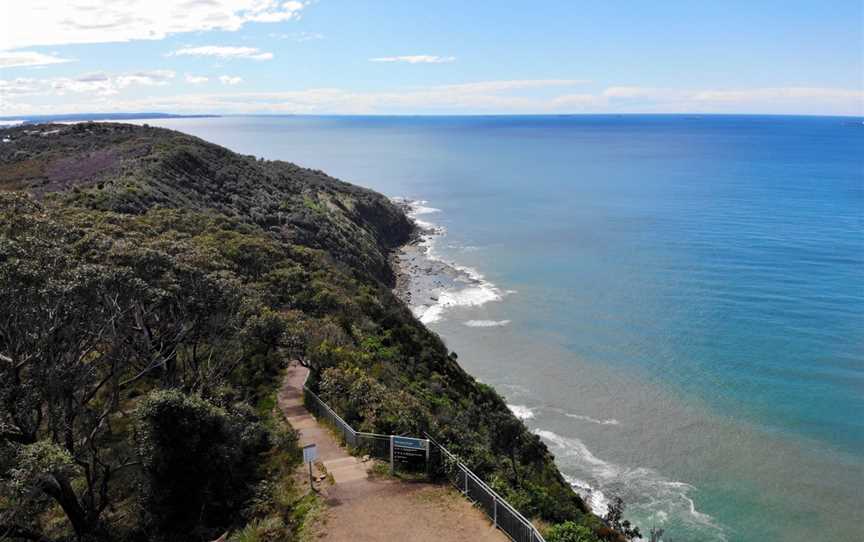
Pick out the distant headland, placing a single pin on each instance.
(74, 117)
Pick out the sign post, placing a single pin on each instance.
(408, 451)
(310, 454)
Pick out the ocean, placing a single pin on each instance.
(675, 304)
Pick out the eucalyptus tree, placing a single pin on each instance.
(86, 323)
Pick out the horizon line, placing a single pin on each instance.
(143, 115)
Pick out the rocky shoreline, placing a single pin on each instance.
(427, 283)
(420, 278)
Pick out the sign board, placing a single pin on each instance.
(408, 452)
(410, 443)
(310, 453)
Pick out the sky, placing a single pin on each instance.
(432, 56)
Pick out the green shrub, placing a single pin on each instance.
(198, 461)
(570, 532)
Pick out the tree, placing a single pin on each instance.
(615, 519)
(62, 359)
(197, 462)
(83, 322)
(509, 439)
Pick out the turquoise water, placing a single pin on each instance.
(678, 301)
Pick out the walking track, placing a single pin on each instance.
(365, 509)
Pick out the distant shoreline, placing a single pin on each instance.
(854, 118)
(12, 120)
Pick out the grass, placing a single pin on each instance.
(380, 470)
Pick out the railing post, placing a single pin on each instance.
(391, 455)
(465, 470)
(495, 510)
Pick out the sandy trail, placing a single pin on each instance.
(365, 509)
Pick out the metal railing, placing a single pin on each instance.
(503, 516)
(375, 445)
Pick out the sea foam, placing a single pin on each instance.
(418, 208)
(487, 323)
(648, 493)
(609, 421)
(521, 411)
(594, 498)
(478, 291)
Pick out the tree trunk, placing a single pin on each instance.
(59, 488)
(515, 469)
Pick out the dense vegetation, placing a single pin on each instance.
(152, 286)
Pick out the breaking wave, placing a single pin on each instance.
(487, 323)
(648, 493)
(521, 411)
(478, 291)
(609, 421)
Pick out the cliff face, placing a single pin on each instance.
(248, 261)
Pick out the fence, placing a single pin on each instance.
(504, 516)
(375, 445)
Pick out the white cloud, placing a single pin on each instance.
(23, 86)
(415, 59)
(151, 78)
(489, 96)
(50, 22)
(576, 103)
(14, 59)
(298, 36)
(515, 84)
(100, 84)
(511, 96)
(196, 79)
(635, 92)
(768, 99)
(785, 93)
(222, 51)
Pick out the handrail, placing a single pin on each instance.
(333, 412)
(486, 487)
(532, 532)
(374, 435)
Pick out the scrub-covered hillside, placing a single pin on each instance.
(152, 286)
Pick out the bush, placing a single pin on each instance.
(570, 532)
(199, 463)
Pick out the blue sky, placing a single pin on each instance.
(431, 57)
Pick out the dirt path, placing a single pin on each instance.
(364, 509)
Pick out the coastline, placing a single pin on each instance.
(747, 466)
(656, 493)
(429, 283)
(423, 278)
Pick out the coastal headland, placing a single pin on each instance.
(163, 281)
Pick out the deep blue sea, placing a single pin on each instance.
(674, 303)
